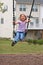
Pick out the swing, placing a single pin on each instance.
(28, 17)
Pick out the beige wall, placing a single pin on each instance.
(32, 34)
(27, 12)
(6, 29)
(38, 14)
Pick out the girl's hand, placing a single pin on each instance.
(13, 22)
(29, 20)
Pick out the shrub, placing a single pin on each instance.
(35, 41)
(40, 41)
(30, 41)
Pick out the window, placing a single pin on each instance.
(35, 8)
(2, 21)
(31, 23)
(22, 7)
(37, 22)
(34, 22)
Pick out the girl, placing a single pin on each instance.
(20, 34)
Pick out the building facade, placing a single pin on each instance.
(6, 18)
(37, 16)
(36, 24)
(21, 6)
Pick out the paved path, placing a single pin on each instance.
(21, 59)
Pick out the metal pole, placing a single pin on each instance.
(14, 7)
(31, 11)
(13, 12)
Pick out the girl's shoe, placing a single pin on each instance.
(13, 43)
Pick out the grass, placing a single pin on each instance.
(20, 47)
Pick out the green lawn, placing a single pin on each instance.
(20, 47)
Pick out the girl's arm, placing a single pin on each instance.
(27, 20)
(16, 23)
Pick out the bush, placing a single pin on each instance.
(40, 41)
(30, 41)
(35, 41)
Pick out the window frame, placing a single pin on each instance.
(22, 7)
(2, 21)
(35, 8)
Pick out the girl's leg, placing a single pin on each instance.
(16, 39)
(22, 34)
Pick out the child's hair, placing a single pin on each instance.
(24, 16)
